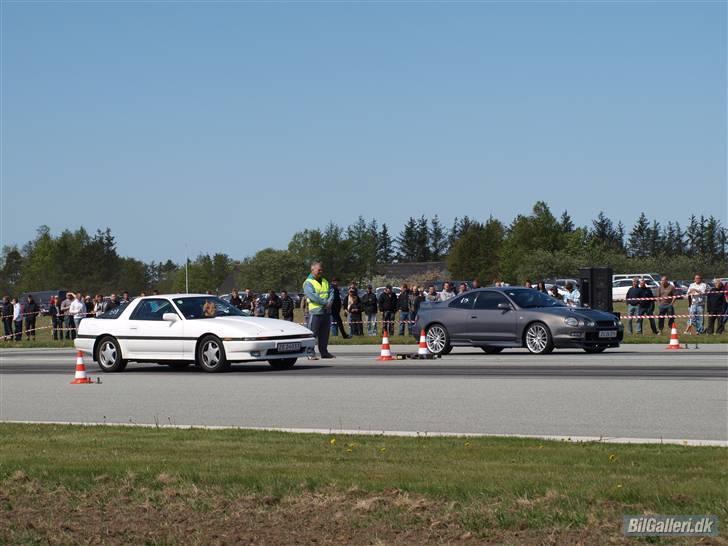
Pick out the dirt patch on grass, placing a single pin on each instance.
(172, 512)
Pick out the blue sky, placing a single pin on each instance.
(230, 126)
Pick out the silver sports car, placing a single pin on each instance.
(498, 318)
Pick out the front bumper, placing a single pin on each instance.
(587, 337)
(239, 351)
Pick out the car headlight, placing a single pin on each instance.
(571, 321)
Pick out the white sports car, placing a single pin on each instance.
(180, 329)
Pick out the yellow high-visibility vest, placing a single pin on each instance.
(321, 288)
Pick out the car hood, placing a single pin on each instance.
(259, 326)
(578, 312)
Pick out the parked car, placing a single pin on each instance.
(498, 318)
(655, 277)
(175, 330)
(620, 288)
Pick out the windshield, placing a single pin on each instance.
(528, 298)
(206, 307)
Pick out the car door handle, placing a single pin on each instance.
(133, 328)
(473, 316)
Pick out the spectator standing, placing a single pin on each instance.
(125, 298)
(696, 291)
(320, 297)
(259, 306)
(99, 306)
(31, 314)
(369, 308)
(475, 284)
(53, 312)
(273, 304)
(665, 303)
(432, 294)
(7, 315)
(633, 306)
(337, 324)
(527, 283)
(235, 299)
(111, 303)
(403, 306)
(416, 298)
(716, 307)
(249, 300)
(388, 306)
(354, 308)
(65, 317)
(306, 313)
(572, 298)
(647, 304)
(541, 287)
(17, 319)
(462, 288)
(88, 302)
(447, 292)
(77, 311)
(287, 306)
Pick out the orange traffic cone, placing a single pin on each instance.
(674, 342)
(386, 354)
(422, 351)
(80, 371)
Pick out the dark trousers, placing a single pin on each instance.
(321, 326)
(665, 310)
(388, 321)
(70, 327)
(19, 330)
(336, 318)
(289, 318)
(649, 311)
(57, 327)
(713, 321)
(8, 328)
(30, 327)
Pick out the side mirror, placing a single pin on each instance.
(504, 306)
(170, 317)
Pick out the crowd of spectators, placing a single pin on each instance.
(396, 312)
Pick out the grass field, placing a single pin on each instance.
(66, 484)
(45, 338)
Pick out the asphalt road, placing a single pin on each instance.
(635, 392)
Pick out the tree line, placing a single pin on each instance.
(533, 246)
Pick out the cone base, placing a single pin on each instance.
(381, 358)
(673, 347)
(81, 381)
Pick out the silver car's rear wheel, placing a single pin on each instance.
(438, 340)
(211, 355)
(538, 339)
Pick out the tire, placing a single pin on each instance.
(538, 339)
(438, 340)
(178, 365)
(283, 363)
(492, 350)
(210, 355)
(595, 349)
(108, 355)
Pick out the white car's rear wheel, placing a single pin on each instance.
(211, 355)
(108, 355)
(283, 363)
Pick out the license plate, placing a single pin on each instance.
(608, 333)
(289, 347)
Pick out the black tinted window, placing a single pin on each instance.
(152, 309)
(490, 300)
(114, 313)
(463, 302)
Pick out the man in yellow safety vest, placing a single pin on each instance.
(320, 296)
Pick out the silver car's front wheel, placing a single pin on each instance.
(211, 355)
(438, 340)
(538, 339)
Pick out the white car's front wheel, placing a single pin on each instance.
(211, 355)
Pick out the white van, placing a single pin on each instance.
(654, 276)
